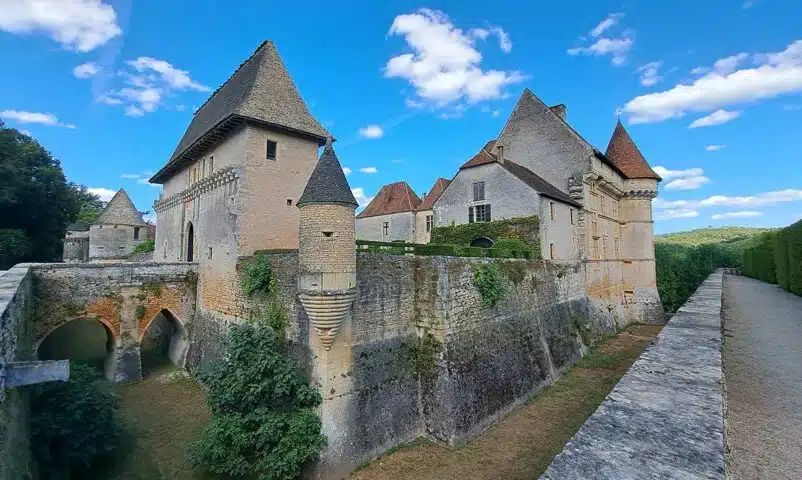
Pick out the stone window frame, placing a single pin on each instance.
(268, 144)
(136, 233)
(386, 228)
(429, 223)
(479, 191)
(475, 215)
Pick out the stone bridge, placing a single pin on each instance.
(124, 297)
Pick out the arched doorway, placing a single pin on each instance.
(163, 343)
(482, 242)
(84, 340)
(190, 242)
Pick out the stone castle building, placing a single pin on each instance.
(111, 237)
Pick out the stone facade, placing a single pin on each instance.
(388, 228)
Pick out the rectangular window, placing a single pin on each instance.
(271, 149)
(478, 191)
(603, 205)
(572, 217)
(481, 213)
(386, 228)
(604, 248)
(328, 234)
(551, 210)
(210, 253)
(211, 165)
(136, 233)
(615, 208)
(551, 251)
(429, 223)
(595, 229)
(617, 246)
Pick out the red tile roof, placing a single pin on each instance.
(394, 198)
(484, 156)
(437, 189)
(624, 154)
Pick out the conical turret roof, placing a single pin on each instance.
(327, 184)
(119, 211)
(623, 152)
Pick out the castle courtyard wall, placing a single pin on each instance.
(401, 226)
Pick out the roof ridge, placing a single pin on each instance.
(255, 52)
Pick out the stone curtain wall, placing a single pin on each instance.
(492, 358)
(665, 418)
(16, 299)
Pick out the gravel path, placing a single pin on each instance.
(763, 371)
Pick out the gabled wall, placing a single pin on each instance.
(401, 226)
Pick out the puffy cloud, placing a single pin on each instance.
(719, 117)
(752, 201)
(368, 170)
(667, 174)
(173, 77)
(346, 170)
(689, 179)
(86, 70)
(371, 131)
(81, 25)
(133, 111)
(775, 74)
(362, 199)
(34, 117)
(741, 214)
(444, 65)
(671, 214)
(650, 73)
(714, 148)
(104, 194)
(605, 24)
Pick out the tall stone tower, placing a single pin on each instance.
(327, 247)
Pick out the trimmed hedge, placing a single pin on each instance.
(525, 228)
(433, 249)
(781, 258)
(759, 260)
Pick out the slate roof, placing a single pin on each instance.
(79, 226)
(394, 198)
(437, 189)
(261, 91)
(327, 184)
(120, 211)
(527, 176)
(623, 152)
(484, 156)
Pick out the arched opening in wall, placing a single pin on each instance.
(482, 242)
(163, 344)
(190, 242)
(84, 340)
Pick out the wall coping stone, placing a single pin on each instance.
(10, 282)
(106, 264)
(665, 418)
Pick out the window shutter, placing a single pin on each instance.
(470, 214)
(487, 213)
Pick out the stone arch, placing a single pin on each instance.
(112, 341)
(179, 338)
(482, 242)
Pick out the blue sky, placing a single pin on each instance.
(711, 91)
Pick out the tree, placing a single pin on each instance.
(36, 202)
(263, 411)
(74, 424)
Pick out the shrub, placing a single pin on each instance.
(74, 424)
(489, 280)
(256, 275)
(759, 260)
(146, 246)
(15, 247)
(794, 240)
(525, 228)
(263, 411)
(431, 249)
(781, 258)
(681, 269)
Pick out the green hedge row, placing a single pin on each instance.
(682, 268)
(524, 228)
(777, 258)
(432, 249)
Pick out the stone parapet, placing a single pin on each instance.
(665, 418)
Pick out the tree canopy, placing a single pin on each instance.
(36, 201)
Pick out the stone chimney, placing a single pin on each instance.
(500, 153)
(559, 110)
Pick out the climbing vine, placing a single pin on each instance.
(489, 280)
(261, 286)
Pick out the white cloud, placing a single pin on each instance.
(368, 170)
(616, 47)
(104, 194)
(130, 176)
(444, 65)
(741, 214)
(667, 174)
(174, 77)
(776, 74)
(26, 132)
(108, 100)
(81, 25)
(719, 117)
(650, 73)
(346, 170)
(605, 24)
(371, 131)
(361, 198)
(699, 71)
(504, 42)
(676, 213)
(34, 117)
(86, 70)
(714, 148)
(133, 111)
(747, 5)
(791, 108)
(753, 201)
(688, 183)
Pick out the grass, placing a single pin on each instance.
(523, 444)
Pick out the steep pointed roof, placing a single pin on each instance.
(261, 91)
(119, 211)
(327, 184)
(393, 198)
(484, 156)
(437, 189)
(623, 152)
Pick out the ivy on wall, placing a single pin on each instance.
(526, 229)
(489, 281)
